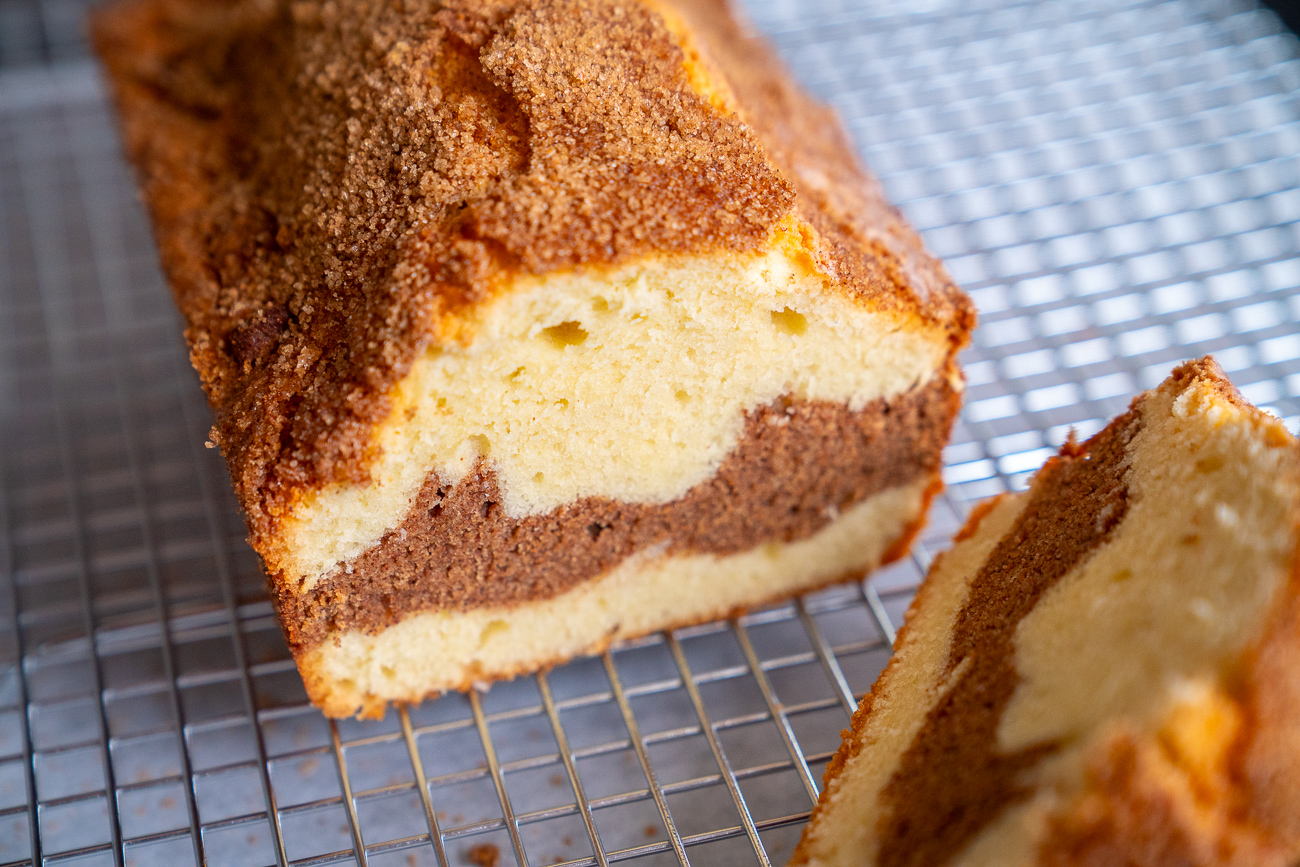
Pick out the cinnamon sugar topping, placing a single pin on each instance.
(331, 183)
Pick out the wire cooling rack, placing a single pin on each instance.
(1115, 182)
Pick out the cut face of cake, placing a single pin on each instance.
(1103, 669)
(529, 325)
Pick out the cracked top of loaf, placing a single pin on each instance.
(334, 185)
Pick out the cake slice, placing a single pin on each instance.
(1104, 669)
(529, 324)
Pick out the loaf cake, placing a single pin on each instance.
(1103, 669)
(529, 325)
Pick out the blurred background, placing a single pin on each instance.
(1115, 182)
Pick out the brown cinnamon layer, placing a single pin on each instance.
(797, 465)
(953, 781)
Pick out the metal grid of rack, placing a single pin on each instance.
(1117, 184)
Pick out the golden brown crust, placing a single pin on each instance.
(1244, 811)
(850, 746)
(1137, 811)
(1266, 761)
(332, 185)
(863, 241)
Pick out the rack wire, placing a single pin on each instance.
(1115, 182)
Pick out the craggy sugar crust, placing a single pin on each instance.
(334, 184)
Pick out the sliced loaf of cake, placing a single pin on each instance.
(1104, 670)
(531, 324)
